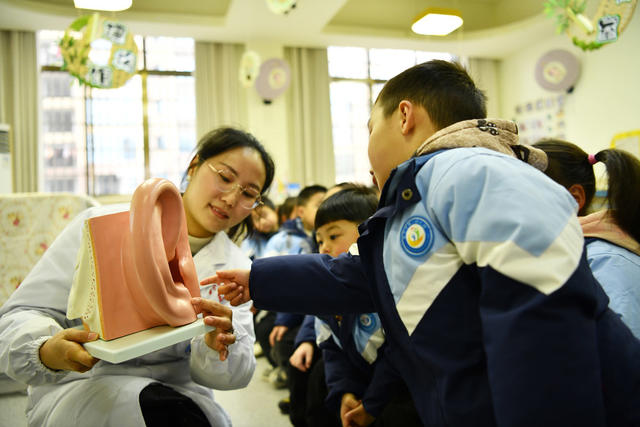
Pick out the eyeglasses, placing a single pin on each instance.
(224, 182)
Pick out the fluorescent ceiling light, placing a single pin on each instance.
(110, 5)
(437, 22)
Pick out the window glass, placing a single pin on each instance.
(386, 63)
(170, 54)
(92, 140)
(348, 62)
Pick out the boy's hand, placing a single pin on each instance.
(357, 417)
(216, 315)
(276, 334)
(302, 357)
(64, 351)
(234, 285)
(349, 402)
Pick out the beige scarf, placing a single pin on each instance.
(494, 134)
(601, 225)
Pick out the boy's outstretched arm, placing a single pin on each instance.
(310, 284)
(234, 285)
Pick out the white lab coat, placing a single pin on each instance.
(107, 395)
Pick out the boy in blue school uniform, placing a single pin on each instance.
(474, 262)
(294, 237)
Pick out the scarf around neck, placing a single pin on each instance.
(494, 134)
(602, 226)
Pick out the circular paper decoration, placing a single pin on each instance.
(557, 70)
(249, 68)
(281, 7)
(99, 52)
(592, 24)
(273, 79)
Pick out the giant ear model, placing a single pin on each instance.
(135, 269)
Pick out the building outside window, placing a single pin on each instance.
(107, 141)
(357, 76)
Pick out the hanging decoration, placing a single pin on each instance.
(281, 7)
(99, 52)
(557, 70)
(249, 68)
(591, 24)
(273, 80)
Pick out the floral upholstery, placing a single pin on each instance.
(29, 222)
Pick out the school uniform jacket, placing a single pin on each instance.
(107, 395)
(474, 262)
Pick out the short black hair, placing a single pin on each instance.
(355, 204)
(444, 89)
(308, 192)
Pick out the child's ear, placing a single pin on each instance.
(407, 116)
(193, 164)
(577, 191)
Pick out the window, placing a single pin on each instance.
(357, 76)
(107, 141)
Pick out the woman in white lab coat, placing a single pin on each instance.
(39, 346)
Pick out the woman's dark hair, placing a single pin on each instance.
(355, 203)
(569, 165)
(222, 140)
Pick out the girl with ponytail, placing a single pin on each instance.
(613, 233)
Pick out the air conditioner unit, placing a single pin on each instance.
(5, 160)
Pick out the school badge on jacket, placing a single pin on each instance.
(416, 236)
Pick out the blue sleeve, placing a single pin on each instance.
(289, 320)
(312, 284)
(307, 331)
(538, 299)
(340, 375)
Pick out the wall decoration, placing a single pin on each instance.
(249, 68)
(541, 118)
(591, 24)
(628, 141)
(98, 51)
(557, 70)
(281, 7)
(273, 79)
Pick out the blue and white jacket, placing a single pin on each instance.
(475, 264)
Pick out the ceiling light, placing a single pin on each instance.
(110, 5)
(437, 22)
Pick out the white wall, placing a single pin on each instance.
(606, 99)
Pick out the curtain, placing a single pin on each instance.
(311, 157)
(485, 73)
(19, 105)
(220, 97)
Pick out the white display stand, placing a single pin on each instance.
(130, 346)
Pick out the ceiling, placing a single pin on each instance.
(492, 28)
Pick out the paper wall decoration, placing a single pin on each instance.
(249, 68)
(591, 24)
(273, 80)
(98, 51)
(557, 70)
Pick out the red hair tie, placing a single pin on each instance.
(592, 159)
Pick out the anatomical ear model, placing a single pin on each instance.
(134, 269)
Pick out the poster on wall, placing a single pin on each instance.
(541, 118)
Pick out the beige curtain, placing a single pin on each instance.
(485, 73)
(19, 105)
(220, 97)
(311, 157)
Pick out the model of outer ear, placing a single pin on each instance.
(134, 270)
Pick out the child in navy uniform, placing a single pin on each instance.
(474, 262)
